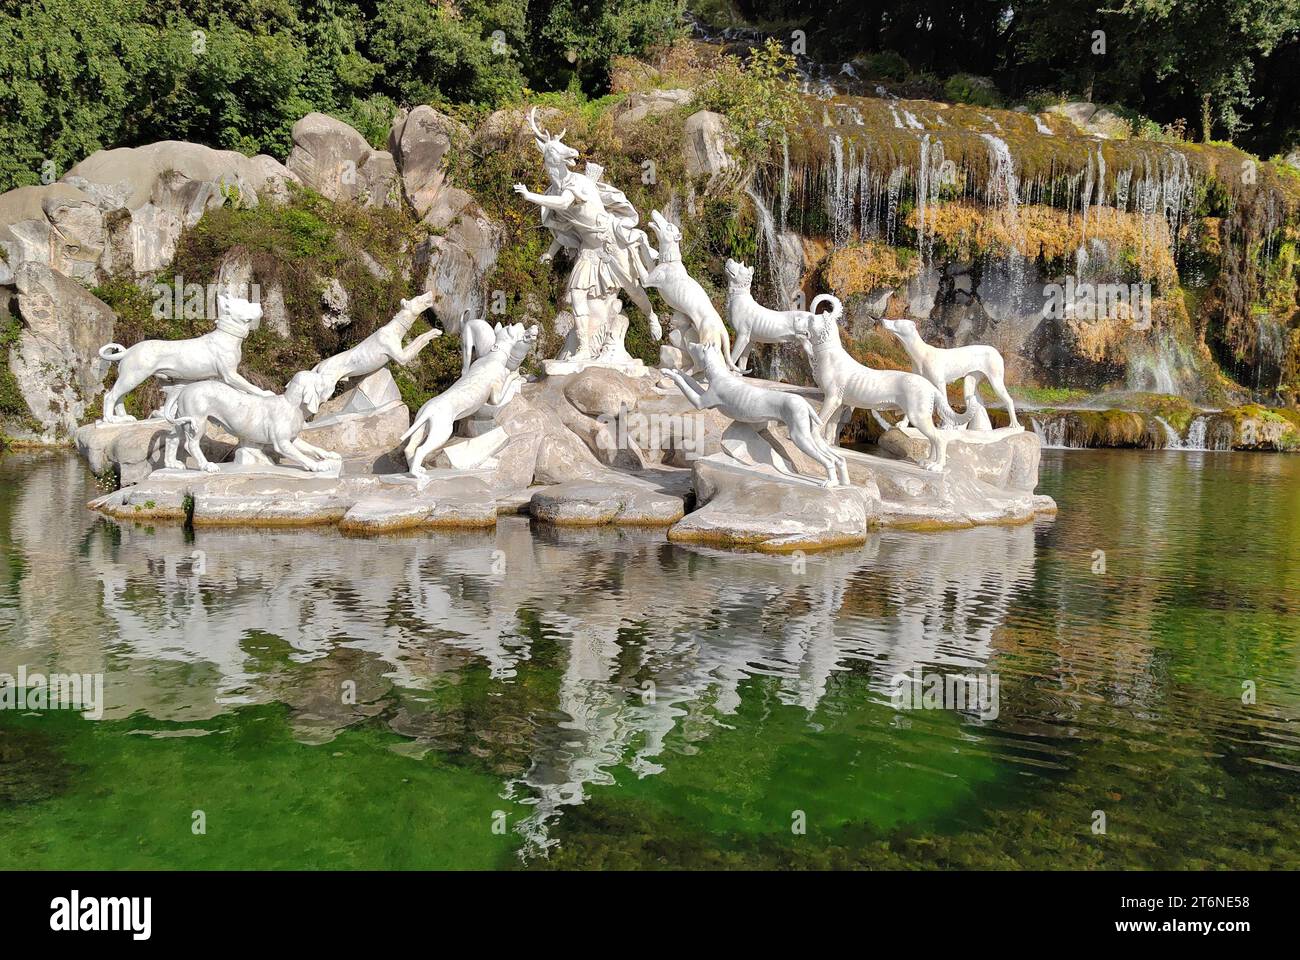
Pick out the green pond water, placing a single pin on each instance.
(533, 698)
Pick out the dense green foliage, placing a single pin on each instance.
(79, 75)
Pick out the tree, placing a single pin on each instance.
(434, 52)
(69, 70)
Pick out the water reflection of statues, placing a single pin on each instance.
(597, 225)
(403, 615)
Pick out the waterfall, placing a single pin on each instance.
(1101, 178)
(1162, 366)
(1085, 198)
(1172, 440)
(1050, 432)
(785, 179)
(1042, 127)
(1122, 181)
(922, 188)
(1003, 187)
(1196, 434)
(842, 178)
(895, 187)
(783, 267)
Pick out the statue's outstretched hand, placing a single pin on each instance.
(521, 190)
(547, 257)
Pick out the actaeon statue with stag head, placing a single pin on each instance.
(597, 226)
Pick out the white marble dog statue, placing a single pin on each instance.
(750, 403)
(684, 294)
(845, 382)
(273, 422)
(376, 350)
(942, 365)
(476, 338)
(214, 354)
(490, 380)
(755, 323)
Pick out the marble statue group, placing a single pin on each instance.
(612, 260)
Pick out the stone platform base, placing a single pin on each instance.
(598, 447)
(759, 504)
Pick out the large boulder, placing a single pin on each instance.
(650, 103)
(1097, 122)
(237, 277)
(57, 225)
(55, 359)
(707, 139)
(612, 499)
(454, 264)
(602, 391)
(507, 129)
(420, 143)
(464, 241)
(333, 159)
(148, 195)
(757, 507)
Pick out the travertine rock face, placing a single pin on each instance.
(419, 142)
(63, 325)
(148, 195)
(334, 160)
(706, 144)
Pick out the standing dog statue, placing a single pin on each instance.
(749, 403)
(684, 294)
(845, 382)
(273, 423)
(755, 323)
(379, 348)
(214, 354)
(477, 338)
(942, 365)
(490, 380)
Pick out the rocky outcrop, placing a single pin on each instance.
(333, 159)
(420, 142)
(63, 325)
(57, 225)
(148, 195)
(650, 103)
(464, 243)
(706, 145)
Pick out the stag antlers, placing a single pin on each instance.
(543, 135)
